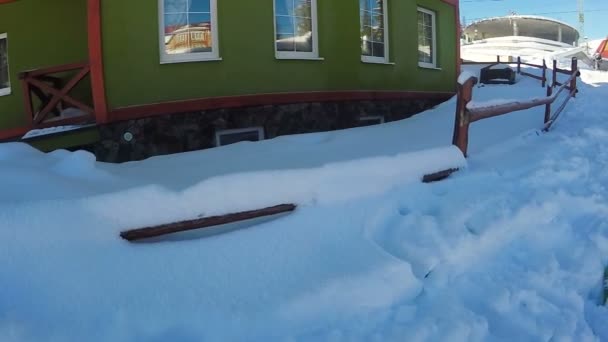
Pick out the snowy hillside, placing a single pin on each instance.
(510, 248)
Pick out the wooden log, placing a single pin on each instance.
(460, 137)
(558, 111)
(438, 176)
(519, 65)
(574, 69)
(532, 65)
(563, 71)
(544, 77)
(205, 222)
(27, 101)
(531, 75)
(605, 301)
(548, 106)
(554, 83)
(52, 70)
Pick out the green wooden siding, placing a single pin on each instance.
(41, 33)
(134, 75)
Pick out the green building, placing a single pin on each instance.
(139, 78)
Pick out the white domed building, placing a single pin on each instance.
(517, 35)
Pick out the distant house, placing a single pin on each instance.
(189, 39)
(141, 78)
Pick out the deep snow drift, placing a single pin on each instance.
(510, 248)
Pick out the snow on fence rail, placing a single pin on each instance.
(467, 113)
(543, 67)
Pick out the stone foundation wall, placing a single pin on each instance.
(194, 131)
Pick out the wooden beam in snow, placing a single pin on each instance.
(205, 222)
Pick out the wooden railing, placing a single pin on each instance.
(465, 115)
(53, 95)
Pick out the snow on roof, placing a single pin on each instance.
(531, 17)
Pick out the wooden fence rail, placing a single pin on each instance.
(465, 115)
(53, 94)
(543, 67)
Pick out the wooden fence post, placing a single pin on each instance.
(554, 82)
(27, 101)
(544, 80)
(462, 120)
(574, 69)
(548, 105)
(519, 65)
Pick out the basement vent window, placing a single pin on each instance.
(5, 84)
(371, 120)
(231, 136)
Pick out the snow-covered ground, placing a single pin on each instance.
(510, 248)
(532, 50)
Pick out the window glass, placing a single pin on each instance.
(426, 38)
(188, 27)
(4, 77)
(372, 21)
(294, 26)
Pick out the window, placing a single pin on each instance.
(5, 84)
(188, 30)
(231, 136)
(427, 36)
(296, 29)
(374, 42)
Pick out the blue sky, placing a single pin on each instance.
(596, 15)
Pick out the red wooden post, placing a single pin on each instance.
(519, 65)
(27, 100)
(544, 80)
(98, 88)
(548, 105)
(574, 69)
(462, 120)
(554, 83)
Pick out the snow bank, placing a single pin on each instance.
(325, 185)
(28, 174)
(465, 75)
(513, 248)
(52, 130)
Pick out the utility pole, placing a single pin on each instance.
(581, 21)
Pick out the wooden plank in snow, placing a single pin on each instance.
(438, 176)
(205, 222)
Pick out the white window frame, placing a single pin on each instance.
(258, 129)
(6, 91)
(434, 46)
(385, 59)
(166, 58)
(314, 55)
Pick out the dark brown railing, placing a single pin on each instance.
(53, 94)
(465, 116)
